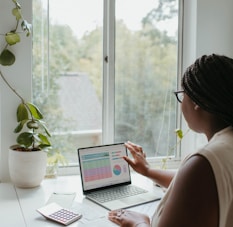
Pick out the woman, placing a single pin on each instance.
(200, 194)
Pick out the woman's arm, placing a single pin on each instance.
(161, 177)
(140, 165)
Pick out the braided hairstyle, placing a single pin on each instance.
(209, 83)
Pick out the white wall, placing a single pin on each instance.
(18, 75)
(215, 27)
(208, 28)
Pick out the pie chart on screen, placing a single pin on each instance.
(117, 170)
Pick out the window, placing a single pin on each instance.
(104, 71)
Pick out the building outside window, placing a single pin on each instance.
(104, 71)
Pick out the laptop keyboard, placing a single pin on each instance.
(107, 195)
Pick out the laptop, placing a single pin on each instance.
(104, 173)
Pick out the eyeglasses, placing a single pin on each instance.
(179, 95)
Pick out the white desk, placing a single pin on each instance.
(18, 206)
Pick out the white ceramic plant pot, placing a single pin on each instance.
(27, 169)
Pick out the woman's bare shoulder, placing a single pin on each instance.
(193, 200)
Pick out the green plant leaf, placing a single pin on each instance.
(7, 58)
(47, 131)
(26, 27)
(62, 159)
(33, 124)
(42, 125)
(17, 5)
(179, 133)
(25, 138)
(20, 126)
(44, 141)
(12, 38)
(35, 111)
(22, 113)
(57, 158)
(17, 12)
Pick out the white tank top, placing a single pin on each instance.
(219, 153)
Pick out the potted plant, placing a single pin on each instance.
(33, 137)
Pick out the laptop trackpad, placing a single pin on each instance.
(128, 202)
(115, 205)
(132, 200)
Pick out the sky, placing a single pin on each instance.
(81, 17)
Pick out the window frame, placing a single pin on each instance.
(108, 106)
(109, 68)
(108, 72)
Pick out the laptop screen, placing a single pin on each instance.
(103, 166)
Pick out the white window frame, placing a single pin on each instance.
(108, 72)
(109, 85)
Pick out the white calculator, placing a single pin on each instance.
(56, 213)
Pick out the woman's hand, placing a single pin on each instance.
(139, 162)
(127, 218)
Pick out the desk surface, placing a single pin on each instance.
(18, 206)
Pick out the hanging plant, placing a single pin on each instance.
(28, 115)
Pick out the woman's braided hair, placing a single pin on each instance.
(209, 83)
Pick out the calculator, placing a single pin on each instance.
(56, 213)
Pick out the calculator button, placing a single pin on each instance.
(59, 214)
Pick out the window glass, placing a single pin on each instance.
(146, 74)
(68, 72)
